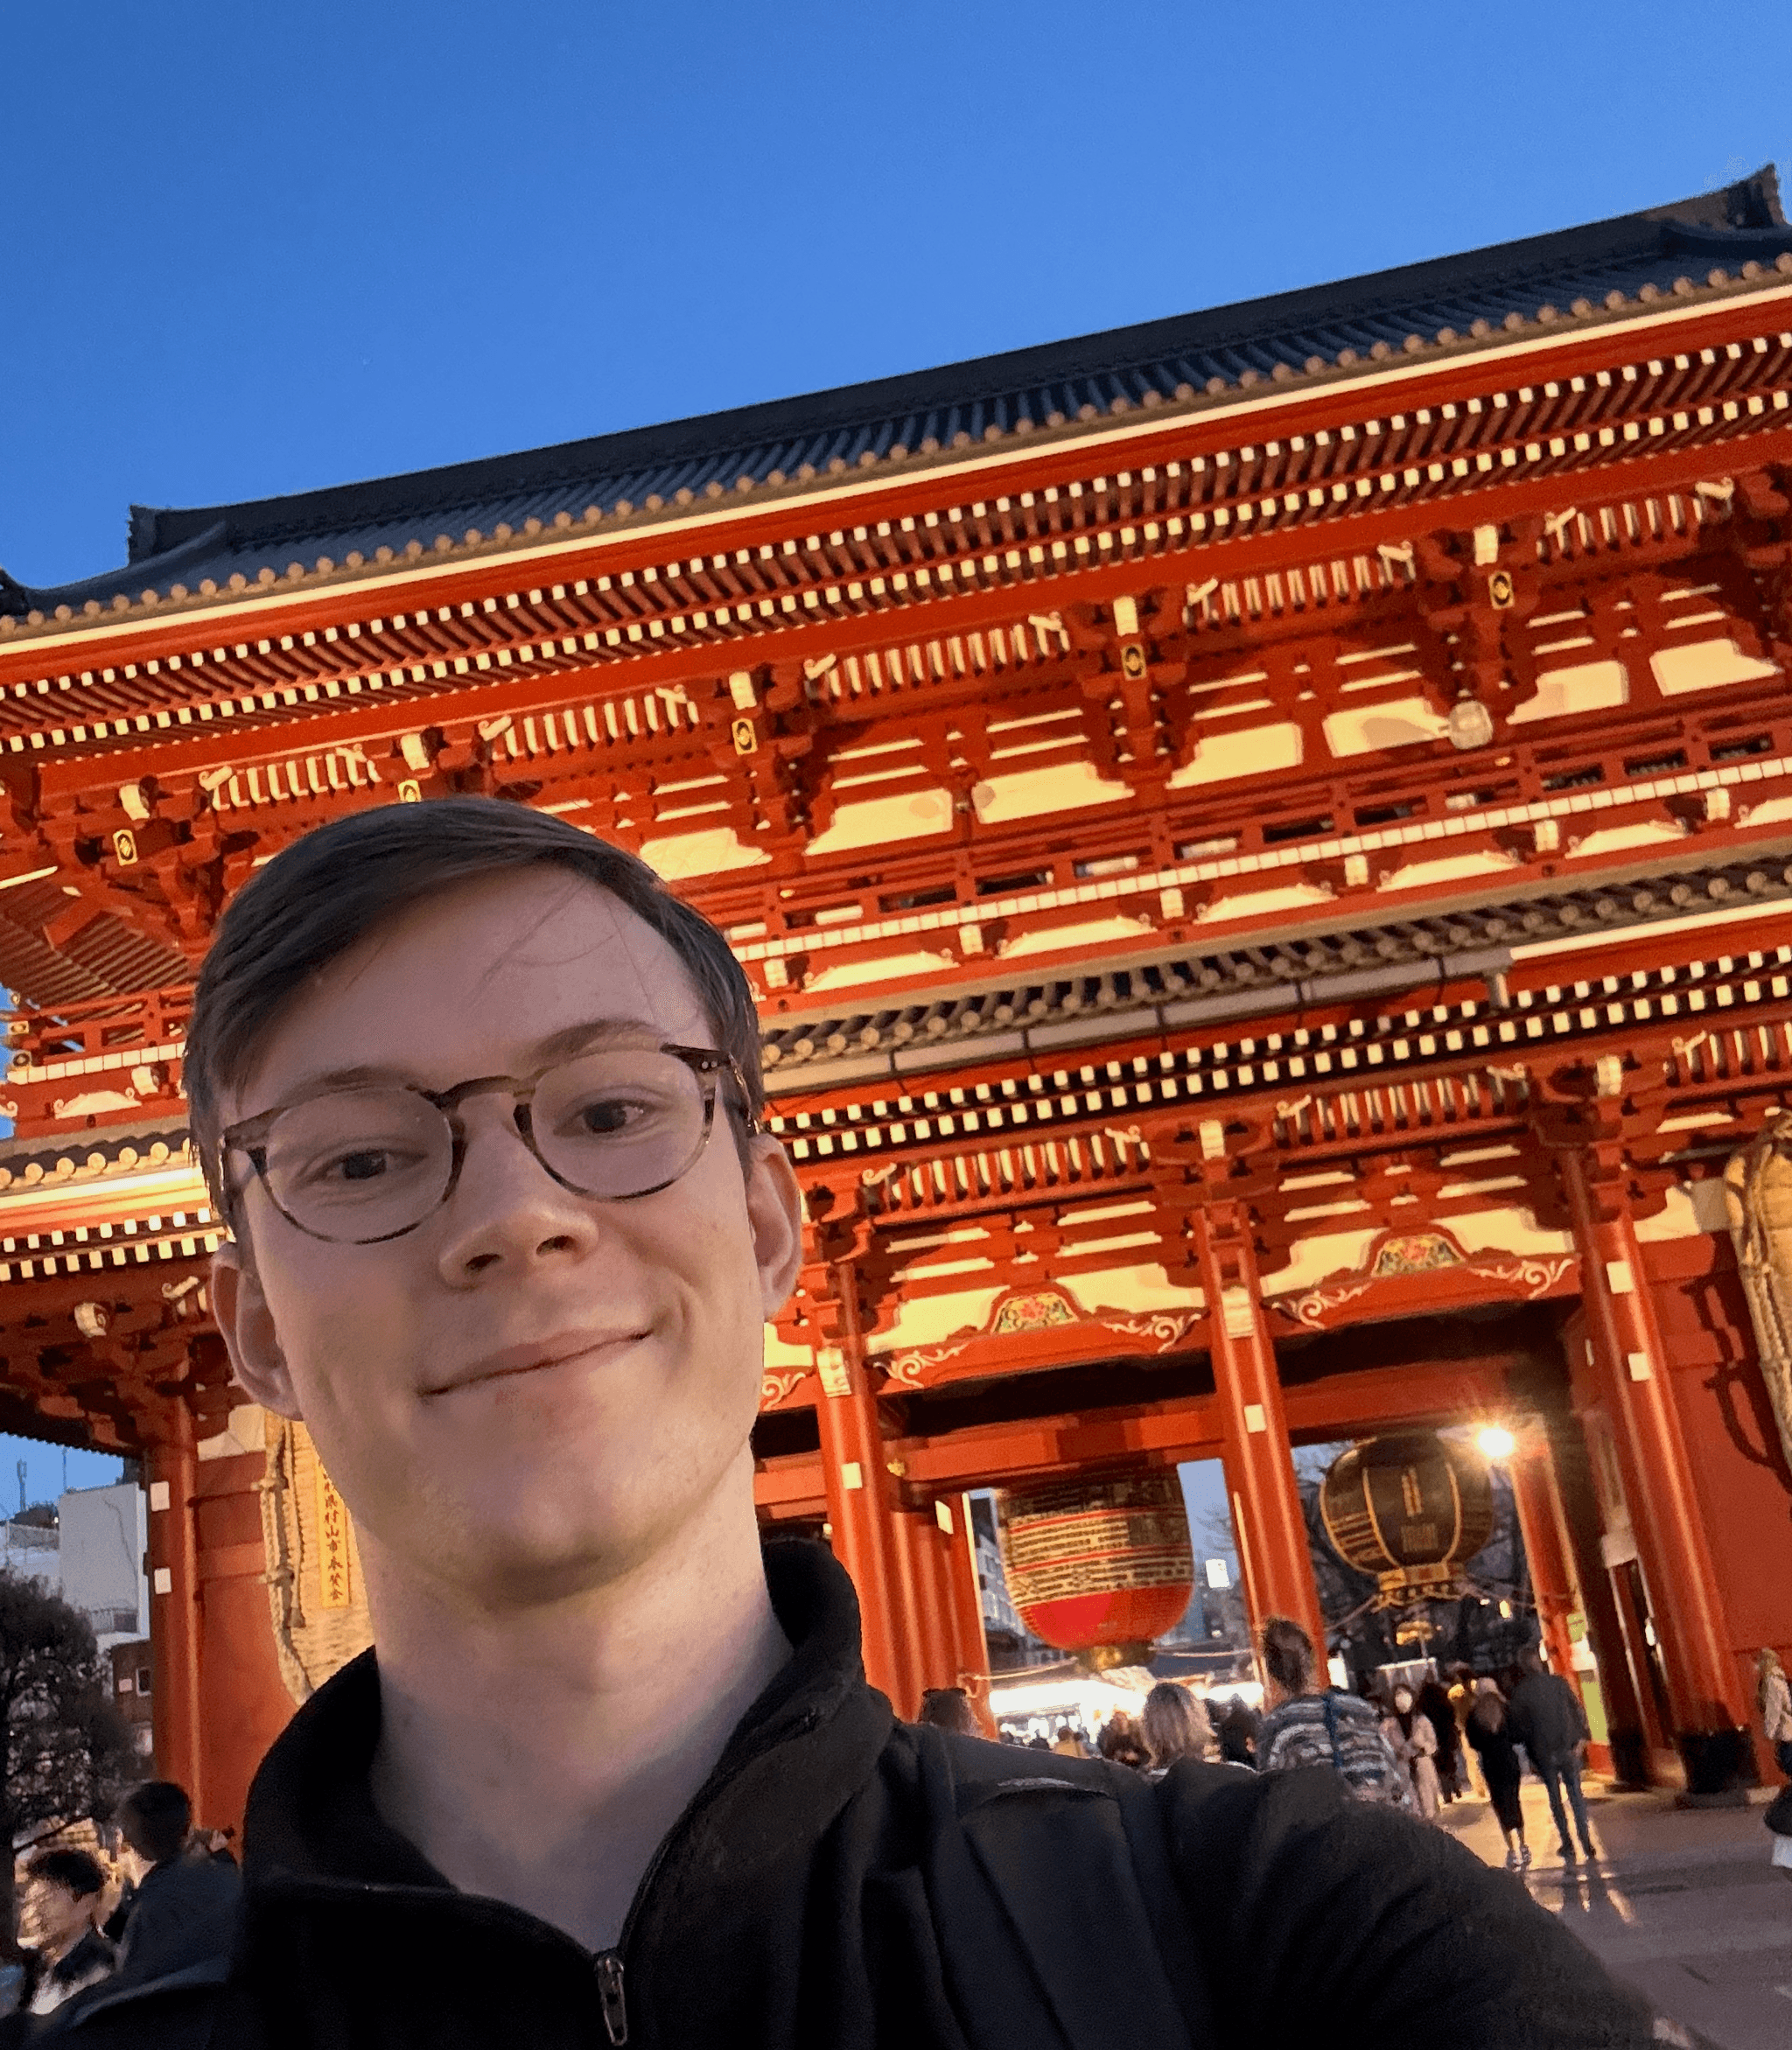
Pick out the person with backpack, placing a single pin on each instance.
(1311, 1724)
(480, 1101)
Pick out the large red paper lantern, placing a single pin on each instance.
(1099, 1566)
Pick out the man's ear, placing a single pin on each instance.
(774, 1209)
(247, 1325)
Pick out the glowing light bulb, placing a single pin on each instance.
(1496, 1442)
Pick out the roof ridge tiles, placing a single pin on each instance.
(1308, 330)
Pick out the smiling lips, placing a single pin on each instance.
(535, 1354)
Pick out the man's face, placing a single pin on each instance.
(534, 1390)
(50, 1918)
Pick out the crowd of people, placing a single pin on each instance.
(165, 1901)
(1406, 1744)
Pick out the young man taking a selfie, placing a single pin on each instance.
(481, 1104)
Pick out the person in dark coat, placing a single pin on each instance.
(184, 1908)
(1435, 1705)
(1549, 1721)
(480, 1104)
(1237, 1730)
(1488, 1730)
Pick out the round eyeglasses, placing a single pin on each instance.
(361, 1163)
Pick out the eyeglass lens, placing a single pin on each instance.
(363, 1164)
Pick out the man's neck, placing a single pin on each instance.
(53, 1954)
(539, 1755)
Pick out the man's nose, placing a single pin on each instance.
(507, 1213)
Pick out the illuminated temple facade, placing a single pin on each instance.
(1263, 842)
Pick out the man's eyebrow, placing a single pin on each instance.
(561, 1046)
(599, 1032)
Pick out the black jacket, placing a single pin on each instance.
(845, 1882)
(184, 1911)
(1547, 1717)
(1497, 1747)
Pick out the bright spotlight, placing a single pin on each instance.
(1495, 1441)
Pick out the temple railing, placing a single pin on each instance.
(113, 1061)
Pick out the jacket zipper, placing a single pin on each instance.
(608, 1966)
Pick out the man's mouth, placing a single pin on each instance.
(535, 1355)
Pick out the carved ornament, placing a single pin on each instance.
(1758, 1194)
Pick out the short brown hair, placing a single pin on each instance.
(316, 897)
(155, 1819)
(76, 1872)
(1288, 1654)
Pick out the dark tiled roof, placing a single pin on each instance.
(1608, 263)
(1168, 991)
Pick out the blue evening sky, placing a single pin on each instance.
(48, 1470)
(254, 249)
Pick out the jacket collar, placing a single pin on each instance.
(312, 1821)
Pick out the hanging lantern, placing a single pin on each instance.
(1099, 1566)
(1412, 1508)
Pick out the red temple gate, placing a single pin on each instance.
(1266, 865)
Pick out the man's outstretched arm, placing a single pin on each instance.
(1314, 1907)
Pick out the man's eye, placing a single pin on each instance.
(351, 1167)
(358, 1166)
(605, 1115)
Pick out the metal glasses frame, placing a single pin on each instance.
(248, 1137)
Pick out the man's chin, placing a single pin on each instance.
(519, 1540)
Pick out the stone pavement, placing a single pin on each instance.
(1682, 1904)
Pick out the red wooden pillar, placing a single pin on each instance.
(1631, 1370)
(174, 1616)
(856, 1474)
(1266, 1512)
(947, 1645)
(930, 1654)
(1631, 1730)
(1546, 1550)
(965, 1595)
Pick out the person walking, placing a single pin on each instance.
(1409, 1733)
(1547, 1720)
(1439, 1711)
(1489, 1732)
(1773, 1697)
(1312, 1725)
(1176, 1725)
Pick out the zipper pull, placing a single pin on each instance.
(610, 1992)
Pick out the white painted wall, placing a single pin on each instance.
(104, 1535)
